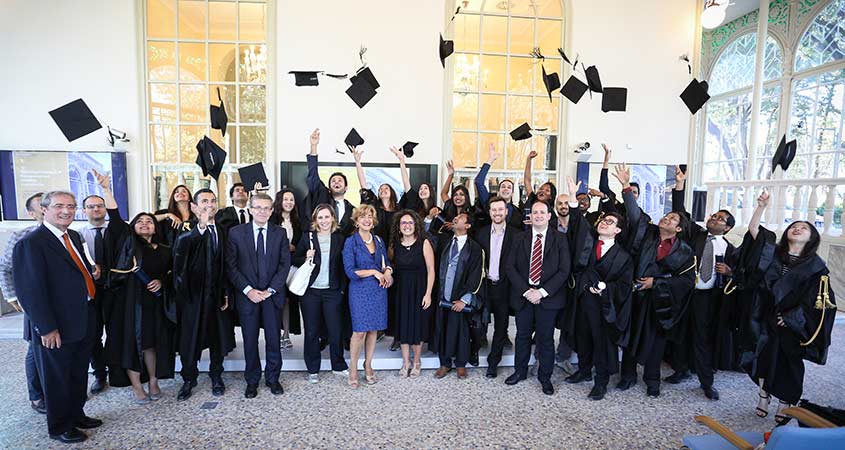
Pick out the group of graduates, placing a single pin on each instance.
(612, 281)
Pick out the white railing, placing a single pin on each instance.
(797, 199)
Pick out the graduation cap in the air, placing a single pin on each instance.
(75, 120)
(446, 49)
(408, 149)
(563, 55)
(784, 154)
(219, 119)
(310, 78)
(253, 173)
(593, 79)
(552, 82)
(363, 89)
(695, 95)
(614, 99)
(521, 132)
(353, 139)
(574, 89)
(210, 157)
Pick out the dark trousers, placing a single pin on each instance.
(456, 339)
(98, 358)
(189, 364)
(704, 317)
(64, 373)
(33, 381)
(319, 307)
(497, 301)
(653, 359)
(591, 337)
(534, 319)
(253, 318)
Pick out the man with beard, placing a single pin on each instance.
(334, 194)
(203, 294)
(664, 279)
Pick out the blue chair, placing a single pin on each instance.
(822, 435)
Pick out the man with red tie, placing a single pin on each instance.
(537, 268)
(55, 287)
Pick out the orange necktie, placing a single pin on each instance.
(89, 282)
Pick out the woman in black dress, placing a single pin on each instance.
(178, 216)
(286, 215)
(413, 264)
(792, 312)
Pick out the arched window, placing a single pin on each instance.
(818, 99)
(497, 85)
(728, 114)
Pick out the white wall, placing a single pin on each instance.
(634, 44)
(56, 51)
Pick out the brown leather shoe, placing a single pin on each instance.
(442, 371)
(462, 373)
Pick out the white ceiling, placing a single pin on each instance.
(739, 8)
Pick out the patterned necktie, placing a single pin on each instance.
(536, 269)
(454, 251)
(213, 238)
(243, 217)
(598, 249)
(89, 282)
(98, 246)
(707, 260)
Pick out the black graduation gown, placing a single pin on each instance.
(807, 305)
(166, 234)
(200, 282)
(124, 342)
(468, 277)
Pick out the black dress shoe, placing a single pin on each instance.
(515, 378)
(597, 392)
(652, 391)
(483, 342)
(492, 372)
(218, 388)
(39, 406)
(88, 422)
(473, 359)
(548, 389)
(677, 377)
(251, 391)
(276, 388)
(625, 384)
(578, 377)
(99, 385)
(323, 344)
(71, 436)
(185, 391)
(710, 392)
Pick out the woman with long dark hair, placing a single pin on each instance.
(286, 215)
(792, 313)
(177, 217)
(413, 265)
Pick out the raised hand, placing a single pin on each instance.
(450, 167)
(573, 187)
(315, 137)
(607, 150)
(492, 154)
(680, 176)
(398, 154)
(763, 199)
(357, 154)
(532, 154)
(596, 193)
(623, 174)
(102, 179)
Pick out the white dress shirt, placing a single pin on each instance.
(238, 210)
(606, 245)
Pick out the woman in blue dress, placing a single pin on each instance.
(368, 268)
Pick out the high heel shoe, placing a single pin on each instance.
(780, 417)
(762, 409)
(403, 372)
(370, 376)
(353, 379)
(415, 372)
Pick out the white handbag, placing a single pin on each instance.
(300, 277)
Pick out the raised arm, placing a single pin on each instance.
(481, 179)
(754, 223)
(526, 174)
(632, 209)
(313, 178)
(447, 186)
(104, 181)
(604, 185)
(406, 179)
(678, 191)
(362, 177)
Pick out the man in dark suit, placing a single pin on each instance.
(334, 194)
(202, 296)
(238, 213)
(496, 240)
(55, 286)
(258, 261)
(537, 269)
(698, 340)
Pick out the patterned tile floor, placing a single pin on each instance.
(403, 413)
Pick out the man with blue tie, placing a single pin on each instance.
(258, 261)
(55, 285)
(537, 269)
